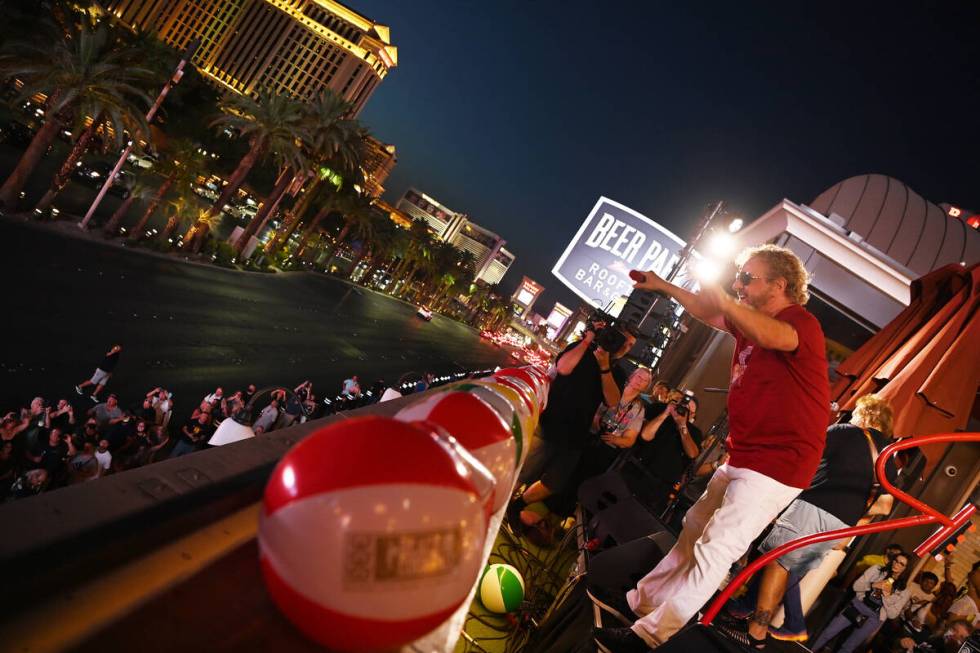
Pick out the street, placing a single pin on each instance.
(190, 328)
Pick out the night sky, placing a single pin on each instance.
(521, 114)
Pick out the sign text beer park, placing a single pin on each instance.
(613, 240)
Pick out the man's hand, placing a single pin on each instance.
(713, 298)
(647, 281)
(602, 357)
(590, 331)
(680, 420)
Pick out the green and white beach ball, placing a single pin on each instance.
(501, 588)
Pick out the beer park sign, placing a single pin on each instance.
(613, 240)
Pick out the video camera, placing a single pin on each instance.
(611, 336)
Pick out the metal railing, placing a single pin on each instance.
(948, 525)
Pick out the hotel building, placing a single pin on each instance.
(299, 47)
(487, 248)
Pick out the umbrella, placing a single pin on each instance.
(926, 363)
(858, 369)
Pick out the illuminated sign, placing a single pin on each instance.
(559, 314)
(613, 240)
(526, 294)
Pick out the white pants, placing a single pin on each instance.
(736, 506)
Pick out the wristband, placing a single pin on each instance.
(604, 371)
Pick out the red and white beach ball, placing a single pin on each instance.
(505, 409)
(477, 426)
(528, 393)
(371, 534)
(518, 404)
(526, 376)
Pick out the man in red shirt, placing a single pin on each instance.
(778, 405)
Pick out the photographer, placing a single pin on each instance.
(585, 379)
(668, 443)
(615, 427)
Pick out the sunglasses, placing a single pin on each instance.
(745, 278)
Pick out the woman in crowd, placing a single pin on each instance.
(882, 592)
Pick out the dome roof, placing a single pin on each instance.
(893, 218)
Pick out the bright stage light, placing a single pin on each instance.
(735, 225)
(707, 271)
(721, 245)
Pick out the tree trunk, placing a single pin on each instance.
(357, 260)
(14, 184)
(336, 243)
(112, 226)
(375, 262)
(200, 235)
(134, 235)
(268, 206)
(305, 238)
(64, 173)
(237, 178)
(168, 229)
(308, 196)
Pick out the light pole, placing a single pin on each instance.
(173, 81)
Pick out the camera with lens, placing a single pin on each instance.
(682, 406)
(611, 336)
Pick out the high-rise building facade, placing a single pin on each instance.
(379, 160)
(418, 205)
(487, 248)
(299, 47)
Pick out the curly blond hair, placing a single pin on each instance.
(871, 411)
(782, 264)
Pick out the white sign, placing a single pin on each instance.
(613, 240)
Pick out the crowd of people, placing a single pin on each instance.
(780, 473)
(88, 434)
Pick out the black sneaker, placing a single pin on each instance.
(743, 637)
(612, 602)
(619, 640)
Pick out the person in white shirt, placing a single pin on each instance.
(351, 386)
(921, 595)
(103, 456)
(965, 607)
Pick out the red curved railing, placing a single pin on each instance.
(948, 525)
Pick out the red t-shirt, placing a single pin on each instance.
(779, 403)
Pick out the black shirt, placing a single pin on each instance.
(53, 456)
(664, 455)
(197, 429)
(846, 474)
(109, 362)
(61, 422)
(574, 399)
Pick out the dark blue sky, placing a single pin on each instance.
(522, 114)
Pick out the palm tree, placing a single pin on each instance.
(271, 124)
(336, 153)
(82, 74)
(356, 213)
(381, 246)
(140, 190)
(183, 207)
(179, 165)
(417, 257)
(329, 199)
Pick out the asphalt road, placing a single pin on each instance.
(191, 328)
